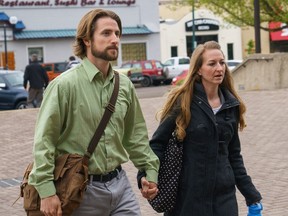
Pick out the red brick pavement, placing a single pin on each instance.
(264, 148)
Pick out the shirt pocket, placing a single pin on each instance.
(118, 116)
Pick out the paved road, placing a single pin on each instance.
(152, 91)
(264, 147)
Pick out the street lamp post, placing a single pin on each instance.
(257, 26)
(193, 26)
(12, 20)
(5, 48)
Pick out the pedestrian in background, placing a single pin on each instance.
(38, 80)
(72, 62)
(72, 108)
(206, 113)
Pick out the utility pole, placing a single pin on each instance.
(257, 26)
(5, 48)
(193, 26)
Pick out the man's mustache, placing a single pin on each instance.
(112, 47)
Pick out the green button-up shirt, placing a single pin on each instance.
(71, 110)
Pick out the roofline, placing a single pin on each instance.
(70, 33)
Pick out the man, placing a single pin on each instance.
(72, 62)
(38, 80)
(72, 108)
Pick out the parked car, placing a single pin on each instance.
(233, 63)
(178, 80)
(134, 74)
(54, 69)
(12, 93)
(174, 66)
(152, 72)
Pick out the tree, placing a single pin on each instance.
(241, 12)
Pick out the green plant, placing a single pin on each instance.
(250, 47)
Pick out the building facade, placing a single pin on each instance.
(179, 37)
(48, 28)
(270, 42)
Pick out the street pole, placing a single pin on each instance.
(12, 20)
(5, 48)
(193, 27)
(257, 26)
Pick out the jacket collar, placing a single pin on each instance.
(227, 99)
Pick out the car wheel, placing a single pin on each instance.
(21, 105)
(146, 81)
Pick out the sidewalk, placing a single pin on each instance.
(264, 148)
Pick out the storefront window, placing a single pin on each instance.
(36, 50)
(230, 49)
(134, 51)
(174, 51)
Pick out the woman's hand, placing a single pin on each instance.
(149, 190)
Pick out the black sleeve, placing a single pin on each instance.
(243, 180)
(26, 77)
(161, 136)
(159, 141)
(45, 77)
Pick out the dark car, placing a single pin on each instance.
(12, 93)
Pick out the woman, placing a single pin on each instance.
(206, 113)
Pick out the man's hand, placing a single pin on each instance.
(51, 206)
(149, 189)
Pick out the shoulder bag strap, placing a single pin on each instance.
(110, 108)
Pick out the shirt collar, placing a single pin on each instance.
(92, 71)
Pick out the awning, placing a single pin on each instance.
(70, 33)
(278, 35)
(4, 17)
(18, 26)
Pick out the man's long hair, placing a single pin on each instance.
(185, 91)
(87, 26)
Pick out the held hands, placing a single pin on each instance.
(255, 209)
(51, 206)
(149, 190)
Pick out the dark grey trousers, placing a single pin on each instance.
(113, 198)
(35, 98)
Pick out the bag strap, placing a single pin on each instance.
(109, 109)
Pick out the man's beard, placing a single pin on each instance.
(105, 54)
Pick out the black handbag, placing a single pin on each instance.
(168, 178)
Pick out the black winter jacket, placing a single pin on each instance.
(212, 162)
(36, 75)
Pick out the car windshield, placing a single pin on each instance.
(184, 61)
(137, 65)
(169, 62)
(158, 65)
(126, 66)
(14, 79)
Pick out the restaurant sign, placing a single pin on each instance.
(203, 24)
(278, 35)
(63, 3)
